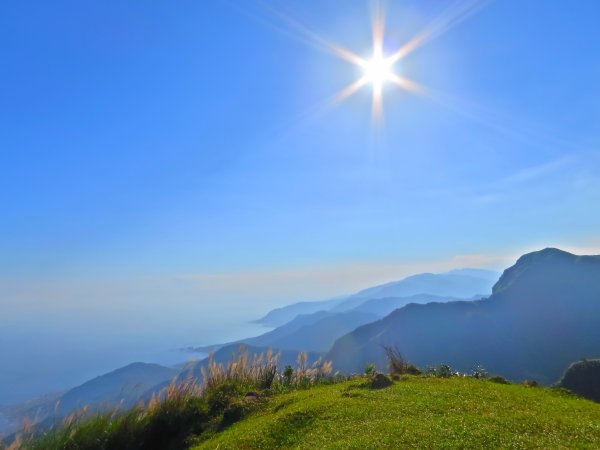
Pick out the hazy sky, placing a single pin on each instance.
(186, 156)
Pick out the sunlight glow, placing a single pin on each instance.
(378, 69)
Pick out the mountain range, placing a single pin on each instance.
(531, 323)
(321, 323)
(542, 315)
(313, 327)
(460, 283)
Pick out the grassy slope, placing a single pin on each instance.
(417, 413)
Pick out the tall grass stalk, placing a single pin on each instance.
(186, 408)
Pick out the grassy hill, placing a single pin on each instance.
(308, 411)
(417, 412)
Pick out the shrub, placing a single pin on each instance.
(479, 372)
(370, 370)
(397, 364)
(221, 396)
(288, 373)
(236, 411)
(411, 369)
(441, 371)
(498, 379)
(171, 424)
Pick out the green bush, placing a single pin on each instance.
(370, 370)
(498, 379)
(441, 371)
(220, 397)
(411, 369)
(288, 373)
(479, 372)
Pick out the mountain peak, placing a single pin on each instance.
(548, 252)
(541, 270)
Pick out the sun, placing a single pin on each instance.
(382, 66)
(377, 71)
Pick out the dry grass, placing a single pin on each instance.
(185, 408)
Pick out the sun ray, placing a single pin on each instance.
(315, 39)
(377, 104)
(408, 85)
(350, 90)
(379, 69)
(452, 16)
(378, 27)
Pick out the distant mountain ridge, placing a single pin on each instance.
(542, 315)
(318, 330)
(457, 283)
(122, 386)
(280, 316)
(313, 332)
(461, 283)
(386, 305)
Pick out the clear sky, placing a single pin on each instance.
(187, 155)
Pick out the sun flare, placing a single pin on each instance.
(378, 70)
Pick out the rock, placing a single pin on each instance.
(251, 397)
(380, 381)
(583, 378)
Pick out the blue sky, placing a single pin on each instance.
(147, 144)
(148, 139)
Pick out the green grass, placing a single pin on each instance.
(416, 412)
(168, 426)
